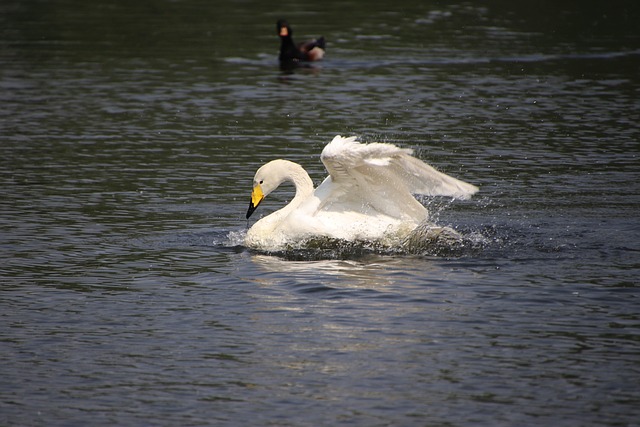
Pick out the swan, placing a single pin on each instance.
(368, 196)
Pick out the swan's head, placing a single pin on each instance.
(268, 178)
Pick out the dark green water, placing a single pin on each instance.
(129, 137)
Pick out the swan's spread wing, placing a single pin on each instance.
(385, 177)
(424, 179)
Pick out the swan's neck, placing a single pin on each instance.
(301, 180)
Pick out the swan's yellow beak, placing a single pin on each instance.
(256, 197)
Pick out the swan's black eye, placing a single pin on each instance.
(261, 181)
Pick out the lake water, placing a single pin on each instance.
(129, 136)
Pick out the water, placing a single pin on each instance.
(130, 134)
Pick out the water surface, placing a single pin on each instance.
(129, 136)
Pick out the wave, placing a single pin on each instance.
(425, 240)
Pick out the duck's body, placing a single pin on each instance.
(291, 53)
(368, 196)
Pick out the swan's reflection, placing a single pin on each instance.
(372, 272)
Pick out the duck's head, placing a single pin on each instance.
(283, 28)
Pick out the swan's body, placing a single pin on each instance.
(368, 195)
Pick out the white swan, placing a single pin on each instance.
(368, 195)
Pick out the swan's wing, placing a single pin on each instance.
(386, 176)
(422, 178)
(345, 157)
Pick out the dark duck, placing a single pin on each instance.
(291, 54)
